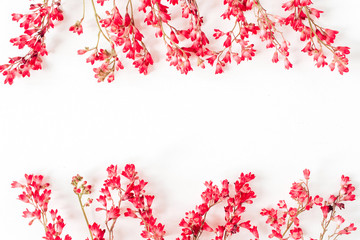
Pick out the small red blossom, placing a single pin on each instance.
(348, 230)
(296, 233)
(101, 2)
(287, 63)
(96, 232)
(76, 28)
(306, 174)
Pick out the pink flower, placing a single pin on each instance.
(113, 213)
(339, 220)
(320, 59)
(325, 210)
(288, 5)
(101, 2)
(296, 233)
(218, 33)
(16, 16)
(129, 172)
(305, 2)
(97, 232)
(227, 42)
(292, 212)
(82, 51)
(275, 57)
(348, 229)
(344, 50)
(16, 184)
(315, 12)
(173, 37)
(306, 174)
(76, 28)
(219, 68)
(332, 199)
(318, 200)
(287, 63)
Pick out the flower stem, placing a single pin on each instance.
(84, 214)
(97, 21)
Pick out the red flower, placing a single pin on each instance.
(296, 233)
(76, 28)
(96, 232)
(306, 174)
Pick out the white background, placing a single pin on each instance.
(178, 130)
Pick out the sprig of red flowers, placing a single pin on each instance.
(41, 18)
(126, 186)
(302, 19)
(36, 193)
(285, 221)
(115, 193)
(194, 224)
(125, 41)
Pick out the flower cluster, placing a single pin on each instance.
(36, 24)
(120, 28)
(285, 221)
(120, 31)
(123, 194)
(316, 37)
(195, 221)
(113, 195)
(37, 193)
(117, 27)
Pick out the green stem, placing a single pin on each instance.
(86, 219)
(83, 16)
(97, 21)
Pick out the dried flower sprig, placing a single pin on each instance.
(36, 192)
(119, 30)
(113, 195)
(302, 19)
(266, 26)
(126, 186)
(270, 34)
(36, 24)
(195, 223)
(194, 32)
(285, 221)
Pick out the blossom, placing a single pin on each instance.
(339, 220)
(96, 232)
(101, 2)
(348, 229)
(296, 233)
(306, 174)
(287, 63)
(76, 28)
